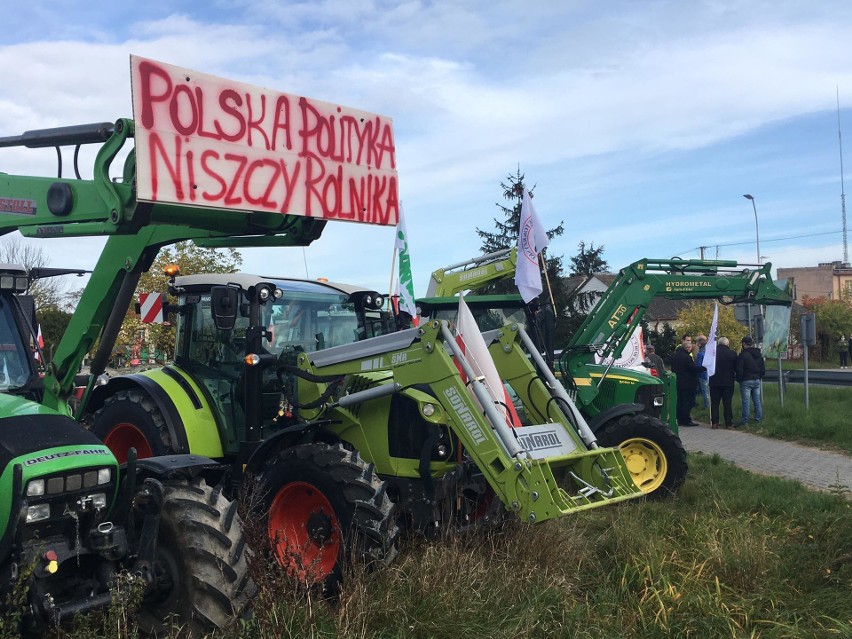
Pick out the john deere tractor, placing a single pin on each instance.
(72, 520)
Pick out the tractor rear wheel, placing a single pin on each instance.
(201, 565)
(131, 419)
(654, 455)
(324, 505)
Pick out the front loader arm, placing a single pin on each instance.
(608, 326)
(473, 273)
(42, 207)
(526, 484)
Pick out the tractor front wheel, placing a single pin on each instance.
(654, 455)
(200, 567)
(131, 419)
(324, 505)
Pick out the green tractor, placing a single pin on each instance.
(342, 438)
(624, 407)
(354, 427)
(72, 519)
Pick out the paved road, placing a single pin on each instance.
(811, 466)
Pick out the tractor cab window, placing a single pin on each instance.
(307, 322)
(201, 341)
(15, 356)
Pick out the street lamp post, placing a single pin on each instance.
(756, 229)
(748, 196)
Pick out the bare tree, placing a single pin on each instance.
(47, 292)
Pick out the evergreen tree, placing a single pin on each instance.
(588, 261)
(506, 236)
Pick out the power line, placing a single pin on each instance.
(777, 239)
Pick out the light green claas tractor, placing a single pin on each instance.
(350, 426)
(72, 519)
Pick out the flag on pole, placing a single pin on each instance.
(476, 352)
(404, 280)
(710, 350)
(40, 341)
(532, 240)
(633, 354)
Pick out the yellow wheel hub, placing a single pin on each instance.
(646, 462)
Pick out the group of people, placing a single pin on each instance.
(746, 368)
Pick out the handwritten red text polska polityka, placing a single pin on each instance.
(342, 168)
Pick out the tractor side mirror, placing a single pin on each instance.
(224, 304)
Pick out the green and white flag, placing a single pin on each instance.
(404, 282)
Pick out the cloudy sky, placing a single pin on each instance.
(641, 124)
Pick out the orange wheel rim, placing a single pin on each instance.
(304, 532)
(124, 437)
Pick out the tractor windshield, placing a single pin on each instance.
(15, 357)
(302, 321)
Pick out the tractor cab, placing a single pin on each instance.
(18, 374)
(226, 317)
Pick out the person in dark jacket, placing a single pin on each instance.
(654, 361)
(722, 383)
(687, 381)
(750, 370)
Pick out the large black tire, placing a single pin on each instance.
(131, 419)
(324, 505)
(201, 563)
(655, 456)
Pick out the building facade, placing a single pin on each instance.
(832, 280)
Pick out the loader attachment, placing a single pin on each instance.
(540, 470)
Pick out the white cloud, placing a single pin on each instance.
(585, 99)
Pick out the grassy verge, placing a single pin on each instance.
(735, 555)
(825, 424)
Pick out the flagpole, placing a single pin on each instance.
(390, 284)
(547, 279)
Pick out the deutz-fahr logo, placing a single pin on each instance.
(68, 453)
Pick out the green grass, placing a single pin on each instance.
(734, 555)
(825, 424)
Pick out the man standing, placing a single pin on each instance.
(654, 361)
(687, 380)
(722, 383)
(750, 370)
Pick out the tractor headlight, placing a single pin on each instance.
(99, 501)
(428, 409)
(104, 475)
(36, 513)
(35, 488)
(658, 400)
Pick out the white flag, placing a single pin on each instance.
(532, 240)
(633, 354)
(710, 350)
(477, 355)
(404, 282)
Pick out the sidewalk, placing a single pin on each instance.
(811, 466)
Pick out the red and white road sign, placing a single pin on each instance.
(151, 308)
